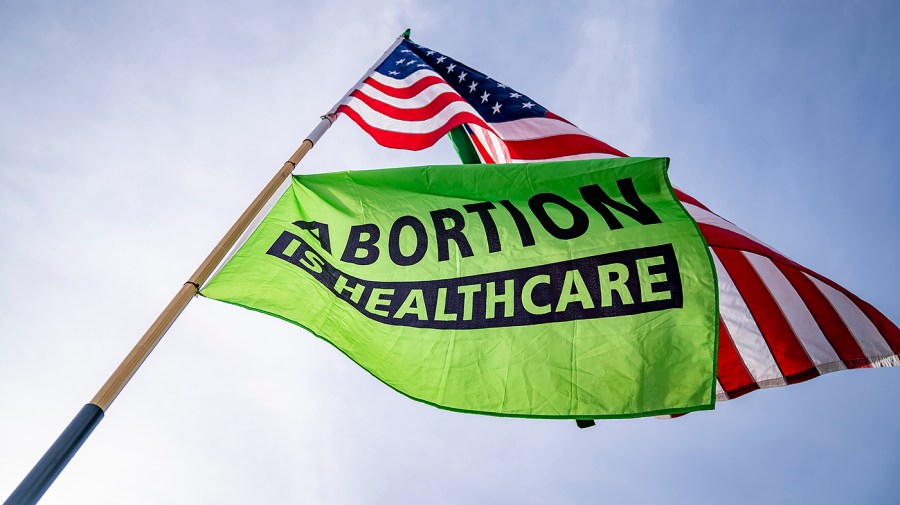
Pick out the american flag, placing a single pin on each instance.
(780, 323)
(417, 95)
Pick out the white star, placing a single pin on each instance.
(429, 53)
(527, 105)
(462, 76)
(410, 62)
(406, 51)
(450, 68)
(401, 60)
(485, 96)
(472, 87)
(515, 95)
(496, 108)
(394, 72)
(501, 86)
(422, 65)
(441, 59)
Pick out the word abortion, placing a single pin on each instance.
(365, 242)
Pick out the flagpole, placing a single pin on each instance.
(45, 471)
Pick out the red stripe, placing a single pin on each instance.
(409, 141)
(827, 318)
(423, 113)
(790, 356)
(732, 373)
(407, 92)
(557, 146)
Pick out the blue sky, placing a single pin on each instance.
(131, 136)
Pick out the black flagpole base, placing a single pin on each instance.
(38, 480)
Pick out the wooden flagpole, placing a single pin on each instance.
(36, 483)
(154, 334)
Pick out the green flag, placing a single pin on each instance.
(576, 289)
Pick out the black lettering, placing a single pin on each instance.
(483, 209)
(286, 242)
(634, 281)
(313, 262)
(355, 242)
(580, 221)
(521, 223)
(321, 232)
(394, 250)
(444, 234)
(601, 202)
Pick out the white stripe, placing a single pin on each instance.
(425, 97)
(748, 340)
(797, 314)
(534, 128)
(384, 122)
(864, 332)
(704, 216)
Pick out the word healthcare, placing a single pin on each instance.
(569, 289)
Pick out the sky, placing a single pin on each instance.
(132, 134)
